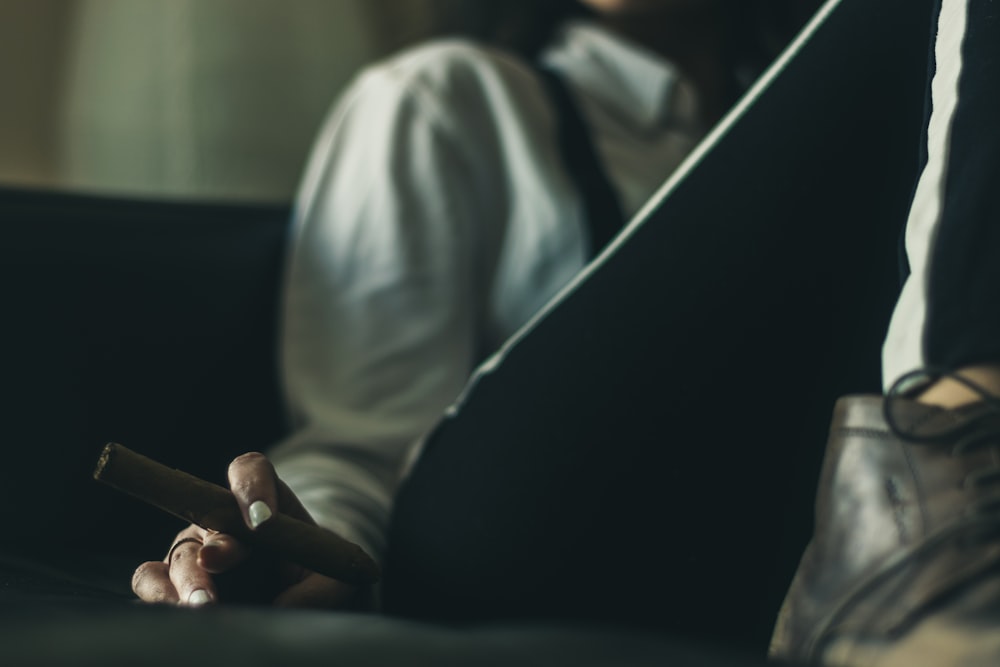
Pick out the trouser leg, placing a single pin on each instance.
(948, 315)
(634, 457)
(902, 568)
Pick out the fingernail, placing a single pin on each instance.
(259, 513)
(198, 598)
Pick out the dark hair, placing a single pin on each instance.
(757, 29)
(521, 26)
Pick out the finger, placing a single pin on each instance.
(151, 583)
(191, 581)
(192, 532)
(221, 553)
(254, 483)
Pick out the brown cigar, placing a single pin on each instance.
(215, 508)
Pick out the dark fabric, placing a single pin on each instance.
(601, 205)
(646, 455)
(149, 323)
(963, 317)
(904, 262)
(77, 633)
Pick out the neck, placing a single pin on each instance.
(693, 40)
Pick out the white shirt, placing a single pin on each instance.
(435, 217)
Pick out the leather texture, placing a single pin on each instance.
(904, 523)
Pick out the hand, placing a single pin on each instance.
(203, 566)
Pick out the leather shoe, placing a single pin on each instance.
(904, 564)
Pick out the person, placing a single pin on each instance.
(435, 217)
(905, 542)
(581, 478)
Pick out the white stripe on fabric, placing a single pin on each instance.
(903, 350)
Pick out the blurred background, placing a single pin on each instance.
(221, 99)
(207, 99)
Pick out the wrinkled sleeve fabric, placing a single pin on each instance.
(379, 321)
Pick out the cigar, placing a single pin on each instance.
(215, 508)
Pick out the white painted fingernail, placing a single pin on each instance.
(259, 513)
(198, 598)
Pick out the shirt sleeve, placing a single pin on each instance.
(379, 321)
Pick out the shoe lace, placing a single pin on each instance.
(975, 427)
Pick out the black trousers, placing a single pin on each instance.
(948, 315)
(646, 453)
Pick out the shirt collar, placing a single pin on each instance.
(634, 82)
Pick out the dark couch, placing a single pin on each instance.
(148, 323)
(153, 324)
